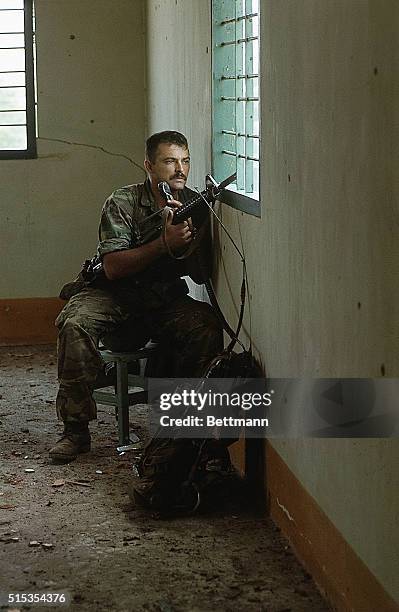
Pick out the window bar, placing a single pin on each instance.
(249, 68)
(247, 39)
(240, 76)
(256, 105)
(232, 133)
(236, 64)
(233, 19)
(30, 85)
(245, 83)
(239, 99)
(34, 68)
(255, 159)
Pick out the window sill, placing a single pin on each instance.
(239, 200)
(11, 154)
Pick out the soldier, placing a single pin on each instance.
(141, 284)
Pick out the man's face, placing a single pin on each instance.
(171, 164)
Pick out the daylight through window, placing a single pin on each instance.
(17, 101)
(236, 92)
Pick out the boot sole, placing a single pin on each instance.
(67, 458)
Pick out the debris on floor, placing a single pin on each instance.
(72, 529)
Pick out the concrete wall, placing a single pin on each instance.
(91, 91)
(179, 82)
(330, 215)
(179, 76)
(323, 259)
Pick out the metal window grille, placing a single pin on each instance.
(17, 95)
(236, 92)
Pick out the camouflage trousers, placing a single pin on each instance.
(188, 328)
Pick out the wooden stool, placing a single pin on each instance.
(122, 398)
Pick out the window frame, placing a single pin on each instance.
(222, 13)
(31, 151)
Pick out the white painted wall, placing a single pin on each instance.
(179, 82)
(330, 121)
(179, 76)
(326, 241)
(91, 90)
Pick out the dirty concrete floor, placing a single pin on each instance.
(91, 542)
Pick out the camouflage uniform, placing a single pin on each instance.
(154, 302)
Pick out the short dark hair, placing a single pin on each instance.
(168, 136)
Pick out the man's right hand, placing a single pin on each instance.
(179, 236)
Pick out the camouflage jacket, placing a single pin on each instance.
(121, 227)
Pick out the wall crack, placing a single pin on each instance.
(91, 146)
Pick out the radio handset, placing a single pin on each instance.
(164, 190)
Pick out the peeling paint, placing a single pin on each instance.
(284, 509)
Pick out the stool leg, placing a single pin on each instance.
(122, 402)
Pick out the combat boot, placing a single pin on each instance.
(74, 441)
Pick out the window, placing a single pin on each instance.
(236, 99)
(17, 98)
